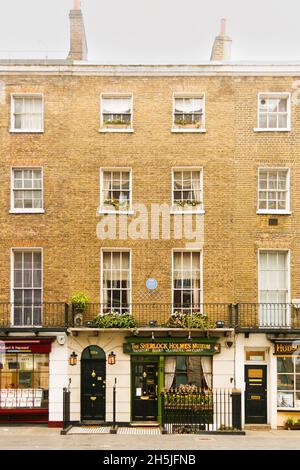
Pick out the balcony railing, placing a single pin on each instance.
(242, 316)
(44, 315)
(166, 315)
(266, 316)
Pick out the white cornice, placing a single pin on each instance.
(79, 68)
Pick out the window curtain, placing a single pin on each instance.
(206, 362)
(188, 105)
(28, 113)
(170, 368)
(196, 185)
(106, 185)
(116, 105)
(200, 371)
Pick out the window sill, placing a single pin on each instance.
(130, 131)
(258, 129)
(26, 131)
(27, 211)
(262, 212)
(103, 212)
(176, 130)
(180, 212)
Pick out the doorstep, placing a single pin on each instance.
(257, 427)
(144, 424)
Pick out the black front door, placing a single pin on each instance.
(144, 388)
(256, 394)
(93, 386)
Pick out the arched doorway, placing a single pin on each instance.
(93, 386)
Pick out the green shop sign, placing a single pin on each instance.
(165, 346)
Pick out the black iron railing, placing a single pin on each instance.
(266, 316)
(199, 316)
(201, 411)
(44, 315)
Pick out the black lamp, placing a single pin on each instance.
(220, 324)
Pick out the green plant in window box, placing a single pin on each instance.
(182, 122)
(116, 204)
(187, 202)
(116, 122)
(115, 320)
(181, 319)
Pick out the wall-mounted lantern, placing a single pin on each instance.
(73, 359)
(111, 358)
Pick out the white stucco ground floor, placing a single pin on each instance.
(139, 366)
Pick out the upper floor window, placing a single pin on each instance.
(27, 190)
(115, 190)
(187, 190)
(274, 111)
(186, 281)
(273, 190)
(27, 113)
(27, 287)
(188, 113)
(116, 113)
(116, 281)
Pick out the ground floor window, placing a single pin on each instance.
(24, 380)
(288, 382)
(187, 371)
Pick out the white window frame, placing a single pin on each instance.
(267, 95)
(113, 95)
(288, 301)
(101, 209)
(109, 250)
(195, 95)
(12, 109)
(182, 211)
(193, 250)
(12, 259)
(25, 210)
(286, 211)
(294, 391)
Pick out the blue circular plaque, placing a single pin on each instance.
(151, 284)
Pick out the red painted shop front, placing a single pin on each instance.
(24, 380)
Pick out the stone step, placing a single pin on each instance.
(257, 427)
(143, 424)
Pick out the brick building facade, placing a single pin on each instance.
(229, 132)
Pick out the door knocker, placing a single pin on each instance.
(93, 398)
(93, 374)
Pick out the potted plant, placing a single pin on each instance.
(116, 122)
(292, 424)
(181, 122)
(79, 302)
(115, 319)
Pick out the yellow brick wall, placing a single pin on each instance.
(71, 152)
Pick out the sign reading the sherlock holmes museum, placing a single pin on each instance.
(287, 348)
(167, 346)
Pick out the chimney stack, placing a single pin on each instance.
(222, 46)
(78, 44)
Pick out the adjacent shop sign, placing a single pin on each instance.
(26, 346)
(287, 348)
(169, 346)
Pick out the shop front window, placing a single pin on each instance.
(24, 381)
(185, 372)
(288, 382)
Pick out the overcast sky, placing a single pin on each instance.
(143, 31)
